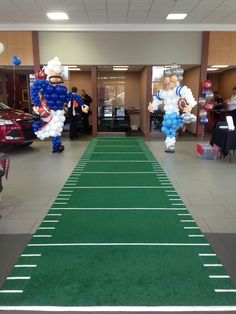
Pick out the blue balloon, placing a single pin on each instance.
(60, 89)
(49, 89)
(63, 97)
(169, 122)
(16, 60)
(54, 97)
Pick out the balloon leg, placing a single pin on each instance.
(57, 147)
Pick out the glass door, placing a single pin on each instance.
(111, 100)
(156, 117)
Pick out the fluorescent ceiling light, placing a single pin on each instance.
(74, 69)
(71, 66)
(212, 69)
(219, 66)
(120, 66)
(176, 16)
(120, 69)
(57, 16)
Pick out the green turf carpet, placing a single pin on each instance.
(118, 235)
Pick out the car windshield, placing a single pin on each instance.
(3, 106)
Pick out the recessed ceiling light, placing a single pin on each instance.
(57, 16)
(176, 16)
(212, 69)
(219, 66)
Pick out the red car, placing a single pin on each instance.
(15, 126)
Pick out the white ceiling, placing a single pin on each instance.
(119, 15)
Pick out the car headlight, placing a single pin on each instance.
(6, 122)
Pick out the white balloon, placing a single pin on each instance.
(56, 118)
(1, 48)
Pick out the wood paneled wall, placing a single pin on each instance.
(222, 48)
(223, 82)
(17, 44)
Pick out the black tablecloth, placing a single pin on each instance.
(225, 139)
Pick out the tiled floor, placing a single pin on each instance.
(36, 175)
(206, 186)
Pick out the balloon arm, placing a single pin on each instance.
(77, 98)
(187, 109)
(37, 90)
(154, 104)
(186, 93)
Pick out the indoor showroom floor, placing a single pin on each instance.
(207, 187)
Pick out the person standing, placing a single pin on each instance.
(87, 101)
(74, 112)
(232, 105)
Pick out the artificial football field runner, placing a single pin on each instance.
(118, 236)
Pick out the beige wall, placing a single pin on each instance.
(17, 44)
(191, 79)
(132, 89)
(121, 47)
(227, 80)
(82, 80)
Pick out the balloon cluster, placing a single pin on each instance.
(54, 128)
(55, 96)
(204, 101)
(49, 100)
(171, 123)
(174, 70)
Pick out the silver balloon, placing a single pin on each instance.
(202, 114)
(174, 71)
(201, 101)
(179, 71)
(187, 117)
(180, 78)
(174, 66)
(167, 72)
(208, 95)
(193, 118)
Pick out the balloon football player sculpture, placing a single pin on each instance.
(178, 102)
(49, 97)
